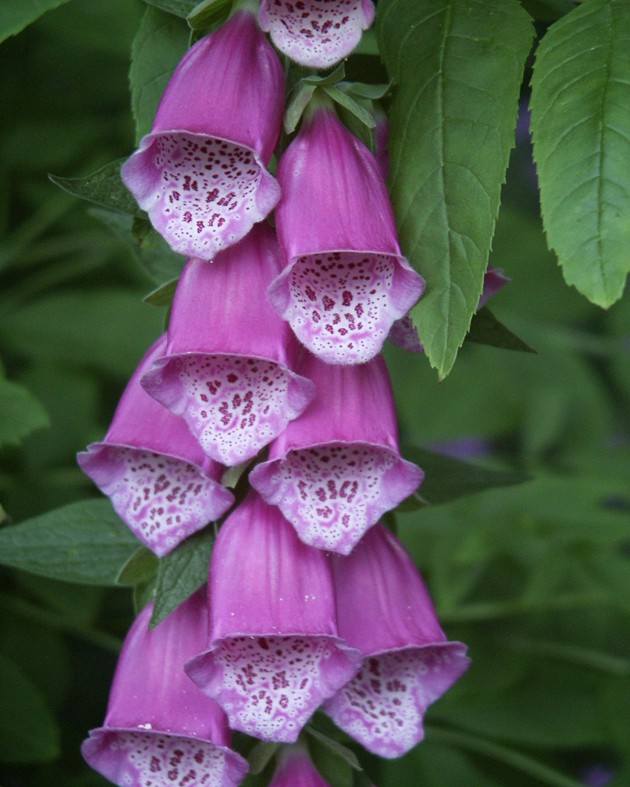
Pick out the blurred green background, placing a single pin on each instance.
(535, 577)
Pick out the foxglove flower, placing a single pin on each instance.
(295, 769)
(336, 470)
(227, 365)
(200, 173)
(345, 282)
(274, 654)
(316, 33)
(159, 728)
(159, 480)
(384, 611)
(403, 332)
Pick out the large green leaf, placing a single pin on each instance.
(181, 572)
(15, 15)
(20, 413)
(28, 728)
(103, 188)
(160, 42)
(457, 65)
(581, 134)
(83, 542)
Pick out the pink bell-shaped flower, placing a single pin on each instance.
(227, 366)
(200, 174)
(295, 769)
(336, 469)
(384, 611)
(160, 482)
(274, 654)
(346, 281)
(159, 728)
(316, 33)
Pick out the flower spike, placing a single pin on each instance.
(337, 469)
(274, 654)
(159, 729)
(227, 368)
(316, 33)
(159, 480)
(200, 174)
(384, 610)
(345, 281)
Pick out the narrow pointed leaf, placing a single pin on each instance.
(180, 8)
(581, 134)
(103, 187)
(457, 66)
(181, 572)
(486, 329)
(83, 542)
(15, 15)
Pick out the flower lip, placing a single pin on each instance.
(316, 33)
(128, 755)
(203, 193)
(233, 404)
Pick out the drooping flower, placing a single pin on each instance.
(200, 174)
(274, 654)
(346, 281)
(403, 332)
(159, 728)
(159, 480)
(295, 769)
(336, 469)
(384, 611)
(316, 33)
(227, 368)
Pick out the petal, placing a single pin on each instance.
(270, 686)
(202, 193)
(234, 405)
(316, 33)
(139, 758)
(383, 706)
(342, 304)
(333, 493)
(163, 499)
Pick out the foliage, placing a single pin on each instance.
(521, 528)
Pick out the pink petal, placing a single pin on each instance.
(316, 33)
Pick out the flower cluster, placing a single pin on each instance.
(273, 343)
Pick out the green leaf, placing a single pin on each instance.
(28, 729)
(548, 10)
(339, 749)
(260, 756)
(103, 187)
(83, 542)
(15, 15)
(139, 569)
(180, 8)
(208, 13)
(20, 413)
(159, 44)
(351, 105)
(486, 329)
(447, 479)
(581, 135)
(162, 296)
(335, 768)
(182, 572)
(457, 66)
